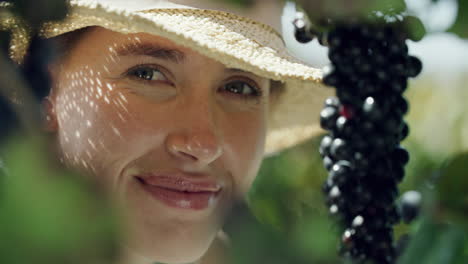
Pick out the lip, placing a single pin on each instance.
(180, 191)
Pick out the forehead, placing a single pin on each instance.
(99, 41)
(100, 45)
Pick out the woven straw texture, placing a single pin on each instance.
(235, 41)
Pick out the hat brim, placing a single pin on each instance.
(235, 41)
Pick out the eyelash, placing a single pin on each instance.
(131, 73)
(256, 94)
(256, 91)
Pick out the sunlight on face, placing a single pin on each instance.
(135, 111)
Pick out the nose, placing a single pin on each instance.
(196, 147)
(196, 138)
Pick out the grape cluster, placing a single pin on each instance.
(362, 153)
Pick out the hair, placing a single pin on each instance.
(67, 41)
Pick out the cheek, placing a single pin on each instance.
(92, 117)
(245, 141)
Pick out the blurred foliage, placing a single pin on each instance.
(286, 198)
(451, 191)
(460, 26)
(436, 243)
(40, 11)
(240, 3)
(442, 234)
(343, 9)
(48, 215)
(317, 10)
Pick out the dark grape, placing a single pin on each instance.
(398, 172)
(382, 75)
(398, 84)
(344, 126)
(339, 149)
(362, 65)
(379, 59)
(367, 86)
(392, 123)
(331, 79)
(401, 105)
(396, 48)
(340, 173)
(400, 155)
(328, 117)
(334, 39)
(327, 163)
(333, 102)
(302, 36)
(404, 131)
(410, 205)
(347, 97)
(414, 66)
(325, 145)
(370, 67)
(371, 109)
(360, 161)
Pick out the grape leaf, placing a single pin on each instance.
(414, 28)
(451, 190)
(338, 9)
(460, 26)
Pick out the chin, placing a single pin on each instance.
(171, 251)
(159, 233)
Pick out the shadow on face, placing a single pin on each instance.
(173, 135)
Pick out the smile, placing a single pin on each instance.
(180, 193)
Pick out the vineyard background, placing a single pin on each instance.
(287, 221)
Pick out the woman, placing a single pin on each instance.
(172, 110)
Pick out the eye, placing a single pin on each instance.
(242, 88)
(146, 73)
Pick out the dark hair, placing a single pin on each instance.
(67, 41)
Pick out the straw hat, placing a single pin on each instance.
(235, 41)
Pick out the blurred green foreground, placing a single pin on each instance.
(48, 215)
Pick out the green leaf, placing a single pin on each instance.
(54, 215)
(342, 9)
(460, 26)
(435, 243)
(421, 243)
(451, 190)
(414, 28)
(448, 247)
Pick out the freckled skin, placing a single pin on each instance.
(112, 127)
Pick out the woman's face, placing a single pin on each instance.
(174, 135)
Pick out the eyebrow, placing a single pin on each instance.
(152, 50)
(160, 52)
(237, 70)
(250, 74)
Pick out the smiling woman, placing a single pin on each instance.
(160, 134)
(172, 109)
